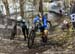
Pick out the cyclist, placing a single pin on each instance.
(43, 26)
(24, 28)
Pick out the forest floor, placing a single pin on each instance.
(59, 43)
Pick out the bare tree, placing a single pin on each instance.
(5, 2)
(34, 2)
(22, 8)
(41, 7)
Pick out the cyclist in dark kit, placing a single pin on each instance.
(24, 29)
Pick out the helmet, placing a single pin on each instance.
(19, 18)
(23, 20)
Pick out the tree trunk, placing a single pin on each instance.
(22, 8)
(5, 2)
(34, 2)
(41, 7)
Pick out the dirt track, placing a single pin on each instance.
(18, 46)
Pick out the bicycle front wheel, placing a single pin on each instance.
(31, 39)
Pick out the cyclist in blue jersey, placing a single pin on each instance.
(42, 20)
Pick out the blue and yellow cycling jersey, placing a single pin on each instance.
(43, 22)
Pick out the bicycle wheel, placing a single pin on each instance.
(31, 39)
